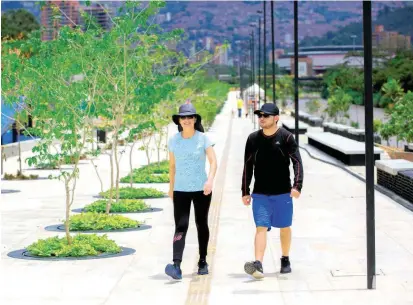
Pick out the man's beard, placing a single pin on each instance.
(270, 125)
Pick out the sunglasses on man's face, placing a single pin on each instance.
(184, 117)
(265, 115)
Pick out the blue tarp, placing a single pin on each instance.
(8, 114)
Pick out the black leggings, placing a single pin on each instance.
(182, 207)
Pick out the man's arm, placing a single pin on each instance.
(248, 168)
(294, 153)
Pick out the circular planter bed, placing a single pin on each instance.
(100, 223)
(9, 191)
(135, 193)
(83, 247)
(123, 206)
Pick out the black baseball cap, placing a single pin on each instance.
(268, 108)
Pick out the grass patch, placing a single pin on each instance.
(82, 245)
(123, 206)
(99, 221)
(135, 193)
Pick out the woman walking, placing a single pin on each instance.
(189, 183)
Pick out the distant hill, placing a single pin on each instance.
(399, 20)
(229, 20)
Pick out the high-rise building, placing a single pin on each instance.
(221, 55)
(390, 41)
(100, 14)
(66, 13)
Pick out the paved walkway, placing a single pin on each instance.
(328, 251)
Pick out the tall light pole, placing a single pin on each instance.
(264, 51)
(253, 69)
(259, 60)
(296, 69)
(273, 51)
(368, 105)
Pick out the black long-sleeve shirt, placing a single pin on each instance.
(268, 157)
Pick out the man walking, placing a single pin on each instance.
(267, 154)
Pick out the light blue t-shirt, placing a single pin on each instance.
(190, 156)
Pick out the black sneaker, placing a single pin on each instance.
(285, 265)
(254, 269)
(174, 271)
(202, 267)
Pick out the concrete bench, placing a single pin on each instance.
(397, 176)
(408, 147)
(357, 134)
(348, 151)
(290, 126)
(315, 121)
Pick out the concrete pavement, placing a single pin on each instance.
(328, 250)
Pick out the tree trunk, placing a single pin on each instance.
(109, 202)
(93, 139)
(20, 152)
(131, 165)
(158, 146)
(115, 146)
(97, 173)
(166, 143)
(147, 147)
(67, 223)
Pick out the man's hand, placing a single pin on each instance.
(171, 193)
(295, 193)
(207, 188)
(246, 200)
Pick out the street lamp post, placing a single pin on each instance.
(273, 51)
(264, 51)
(296, 69)
(253, 70)
(368, 104)
(259, 60)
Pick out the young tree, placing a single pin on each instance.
(61, 104)
(401, 119)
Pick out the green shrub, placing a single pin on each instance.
(146, 177)
(155, 168)
(135, 193)
(82, 245)
(377, 124)
(20, 176)
(98, 221)
(123, 206)
(313, 106)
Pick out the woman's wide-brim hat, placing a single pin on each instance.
(185, 110)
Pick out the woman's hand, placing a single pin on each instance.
(171, 193)
(208, 187)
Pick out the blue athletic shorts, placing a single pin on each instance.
(272, 211)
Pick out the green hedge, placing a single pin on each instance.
(135, 193)
(98, 221)
(82, 245)
(123, 206)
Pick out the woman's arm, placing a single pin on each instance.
(212, 170)
(172, 171)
